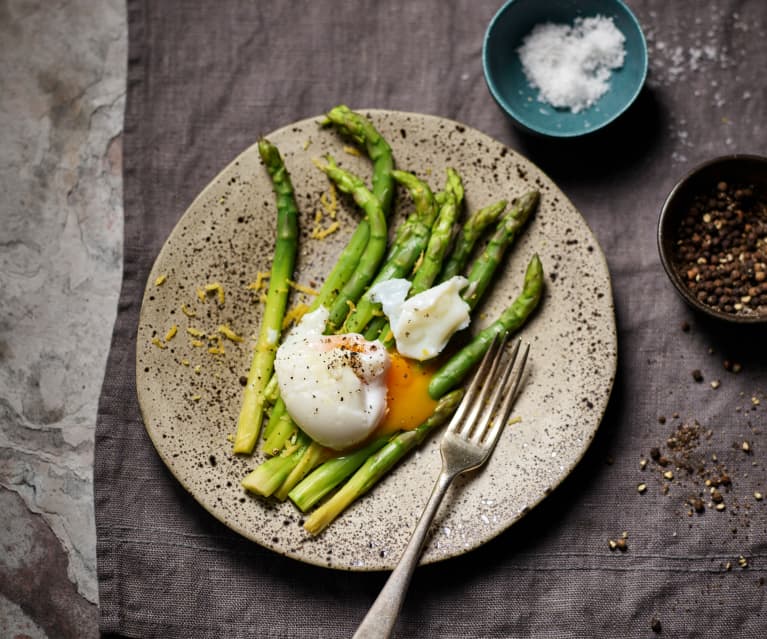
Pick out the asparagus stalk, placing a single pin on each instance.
(312, 457)
(456, 368)
(363, 132)
(439, 241)
(368, 264)
(252, 410)
(325, 478)
(378, 464)
(471, 231)
(481, 273)
(408, 246)
(379, 151)
(279, 429)
(268, 476)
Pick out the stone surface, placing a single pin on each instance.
(62, 90)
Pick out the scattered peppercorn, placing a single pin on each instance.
(697, 375)
(655, 625)
(685, 327)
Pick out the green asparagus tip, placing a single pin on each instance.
(529, 199)
(268, 152)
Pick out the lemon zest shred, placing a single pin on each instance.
(294, 315)
(218, 348)
(156, 341)
(329, 201)
(351, 150)
(258, 283)
(351, 306)
(262, 298)
(307, 144)
(307, 290)
(196, 398)
(185, 362)
(194, 332)
(197, 369)
(321, 234)
(171, 333)
(200, 295)
(418, 262)
(161, 279)
(216, 288)
(187, 311)
(197, 343)
(229, 333)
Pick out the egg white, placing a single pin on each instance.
(333, 386)
(423, 324)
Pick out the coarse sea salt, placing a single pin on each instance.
(571, 65)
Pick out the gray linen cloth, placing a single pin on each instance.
(204, 80)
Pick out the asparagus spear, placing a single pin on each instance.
(482, 271)
(251, 413)
(379, 151)
(325, 478)
(363, 132)
(377, 465)
(411, 242)
(268, 476)
(312, 457)
(279, 429)
(453, 372)
(374, 252)
(439, 241)
(470, 232)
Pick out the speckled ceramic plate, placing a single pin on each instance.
(190, 398)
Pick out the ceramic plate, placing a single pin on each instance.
(190, 397)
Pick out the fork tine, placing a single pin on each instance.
(499, 389)
(505, 411)
(486, 388)
(475, 386)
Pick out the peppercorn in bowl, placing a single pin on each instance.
(712, 238)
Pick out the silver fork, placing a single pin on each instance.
(466, 445)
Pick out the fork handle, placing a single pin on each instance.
(380, 619)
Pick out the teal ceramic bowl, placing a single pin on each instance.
(511, 89)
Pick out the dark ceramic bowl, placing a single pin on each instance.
(733, 169)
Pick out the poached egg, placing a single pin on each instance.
(342, 389)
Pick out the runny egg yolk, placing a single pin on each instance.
(407, 396)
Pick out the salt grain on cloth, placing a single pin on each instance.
(571, 66)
